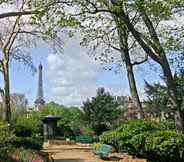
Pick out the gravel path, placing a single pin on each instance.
(81, 153)
(72, 153)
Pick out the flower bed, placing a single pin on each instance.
(28, 156)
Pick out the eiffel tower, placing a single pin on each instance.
(39, 102)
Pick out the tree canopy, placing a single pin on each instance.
(157, 97)
(100, 112)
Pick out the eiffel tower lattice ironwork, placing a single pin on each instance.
(39, 102)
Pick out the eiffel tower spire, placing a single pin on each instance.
(39, 102)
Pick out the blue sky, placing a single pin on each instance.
(69, 78)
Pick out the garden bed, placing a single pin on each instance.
(27, 155)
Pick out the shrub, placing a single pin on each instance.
(22, 155)
(158, 141)
(88, 131)
(96, 146)
(28, 132)
(25, 126)
(163, 146)
(22, 131)
(120, 137)
(6, 137)
(34, 143)
(111, 138)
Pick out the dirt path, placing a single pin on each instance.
(61, 152)
(72, 153)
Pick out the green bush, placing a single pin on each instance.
(88, 131)
(120, 137)
(6, 137)
(163, 146)
(22, 131)
(27, 126)
(111, 138)
(34, 143)
(149, 139)
(28, 131)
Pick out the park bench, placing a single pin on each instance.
(84, 139)
(103, 151)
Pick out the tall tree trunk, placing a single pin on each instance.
(6, 91)
(157, 53)
(172, 91)
(124, 49)
(125, 56)
(132, 85)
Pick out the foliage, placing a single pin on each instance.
(75, 121)
(9, 142)
(149, 27)
(163, 146)
(24, 155)
(18, 105)
(22, 131)
(28, 125)
(88, 131)
(33, 142)
(29, 23)
(121, 136)
(70, 118)
(69, 124)
(1, 112)
(151, 140)
(17, 112)
(101, 112)
(20, 154)
(55, 109)
(96, 146)
(6, 137)
(28, 131)
(157, 96)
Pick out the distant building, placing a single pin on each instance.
(18, 100)
(127, 107)
(39, 102)
(130, 111)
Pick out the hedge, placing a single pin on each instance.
(148, 139)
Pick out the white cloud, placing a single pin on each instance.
(74, 76)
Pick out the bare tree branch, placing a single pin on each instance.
(140, 62)
(18, 13)
(11, 39)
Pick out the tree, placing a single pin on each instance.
(70, 118)
(106, 33)
(101, 111)
(125, 54)
(28, 23)
(75, 120)
(158, 98)
(55, 109)
(150, 42)
(155, 38)
(18, 104)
